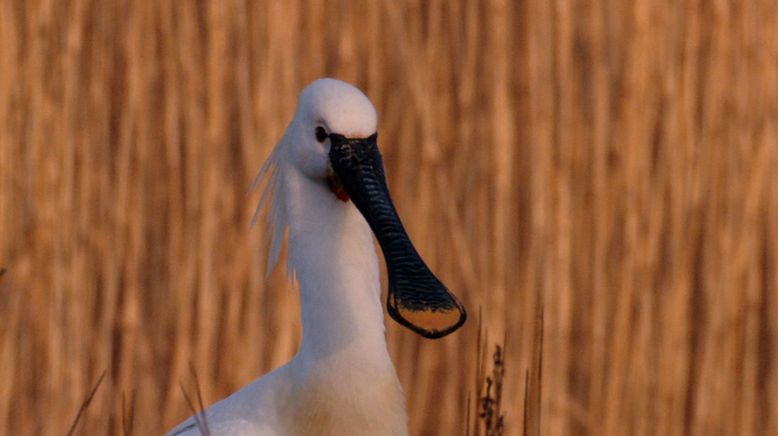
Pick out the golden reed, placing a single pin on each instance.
(613, 161)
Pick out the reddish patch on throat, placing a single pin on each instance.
(337, 188)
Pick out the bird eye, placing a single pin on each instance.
(321, 134)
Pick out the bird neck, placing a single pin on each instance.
(334, 258)
(342, 378)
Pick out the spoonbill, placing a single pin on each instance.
(326, 190)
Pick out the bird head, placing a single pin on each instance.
(333, 140)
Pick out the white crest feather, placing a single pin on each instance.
(273, 197)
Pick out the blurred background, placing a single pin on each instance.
(612, 163)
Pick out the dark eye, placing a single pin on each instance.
(321, 134)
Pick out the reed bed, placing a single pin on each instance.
(614, 163)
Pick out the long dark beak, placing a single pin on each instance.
(416, 298)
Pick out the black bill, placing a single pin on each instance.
(416, 298)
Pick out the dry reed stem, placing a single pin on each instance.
(490, 410)
(615, 163)
(198, 413)
(85, 404)
(128, 416)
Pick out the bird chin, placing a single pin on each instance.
(336, 186)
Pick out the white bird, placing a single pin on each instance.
(326, 190)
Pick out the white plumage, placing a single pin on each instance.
(342, 381)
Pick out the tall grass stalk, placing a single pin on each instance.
(613, 162)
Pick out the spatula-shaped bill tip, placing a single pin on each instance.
(431, 321)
